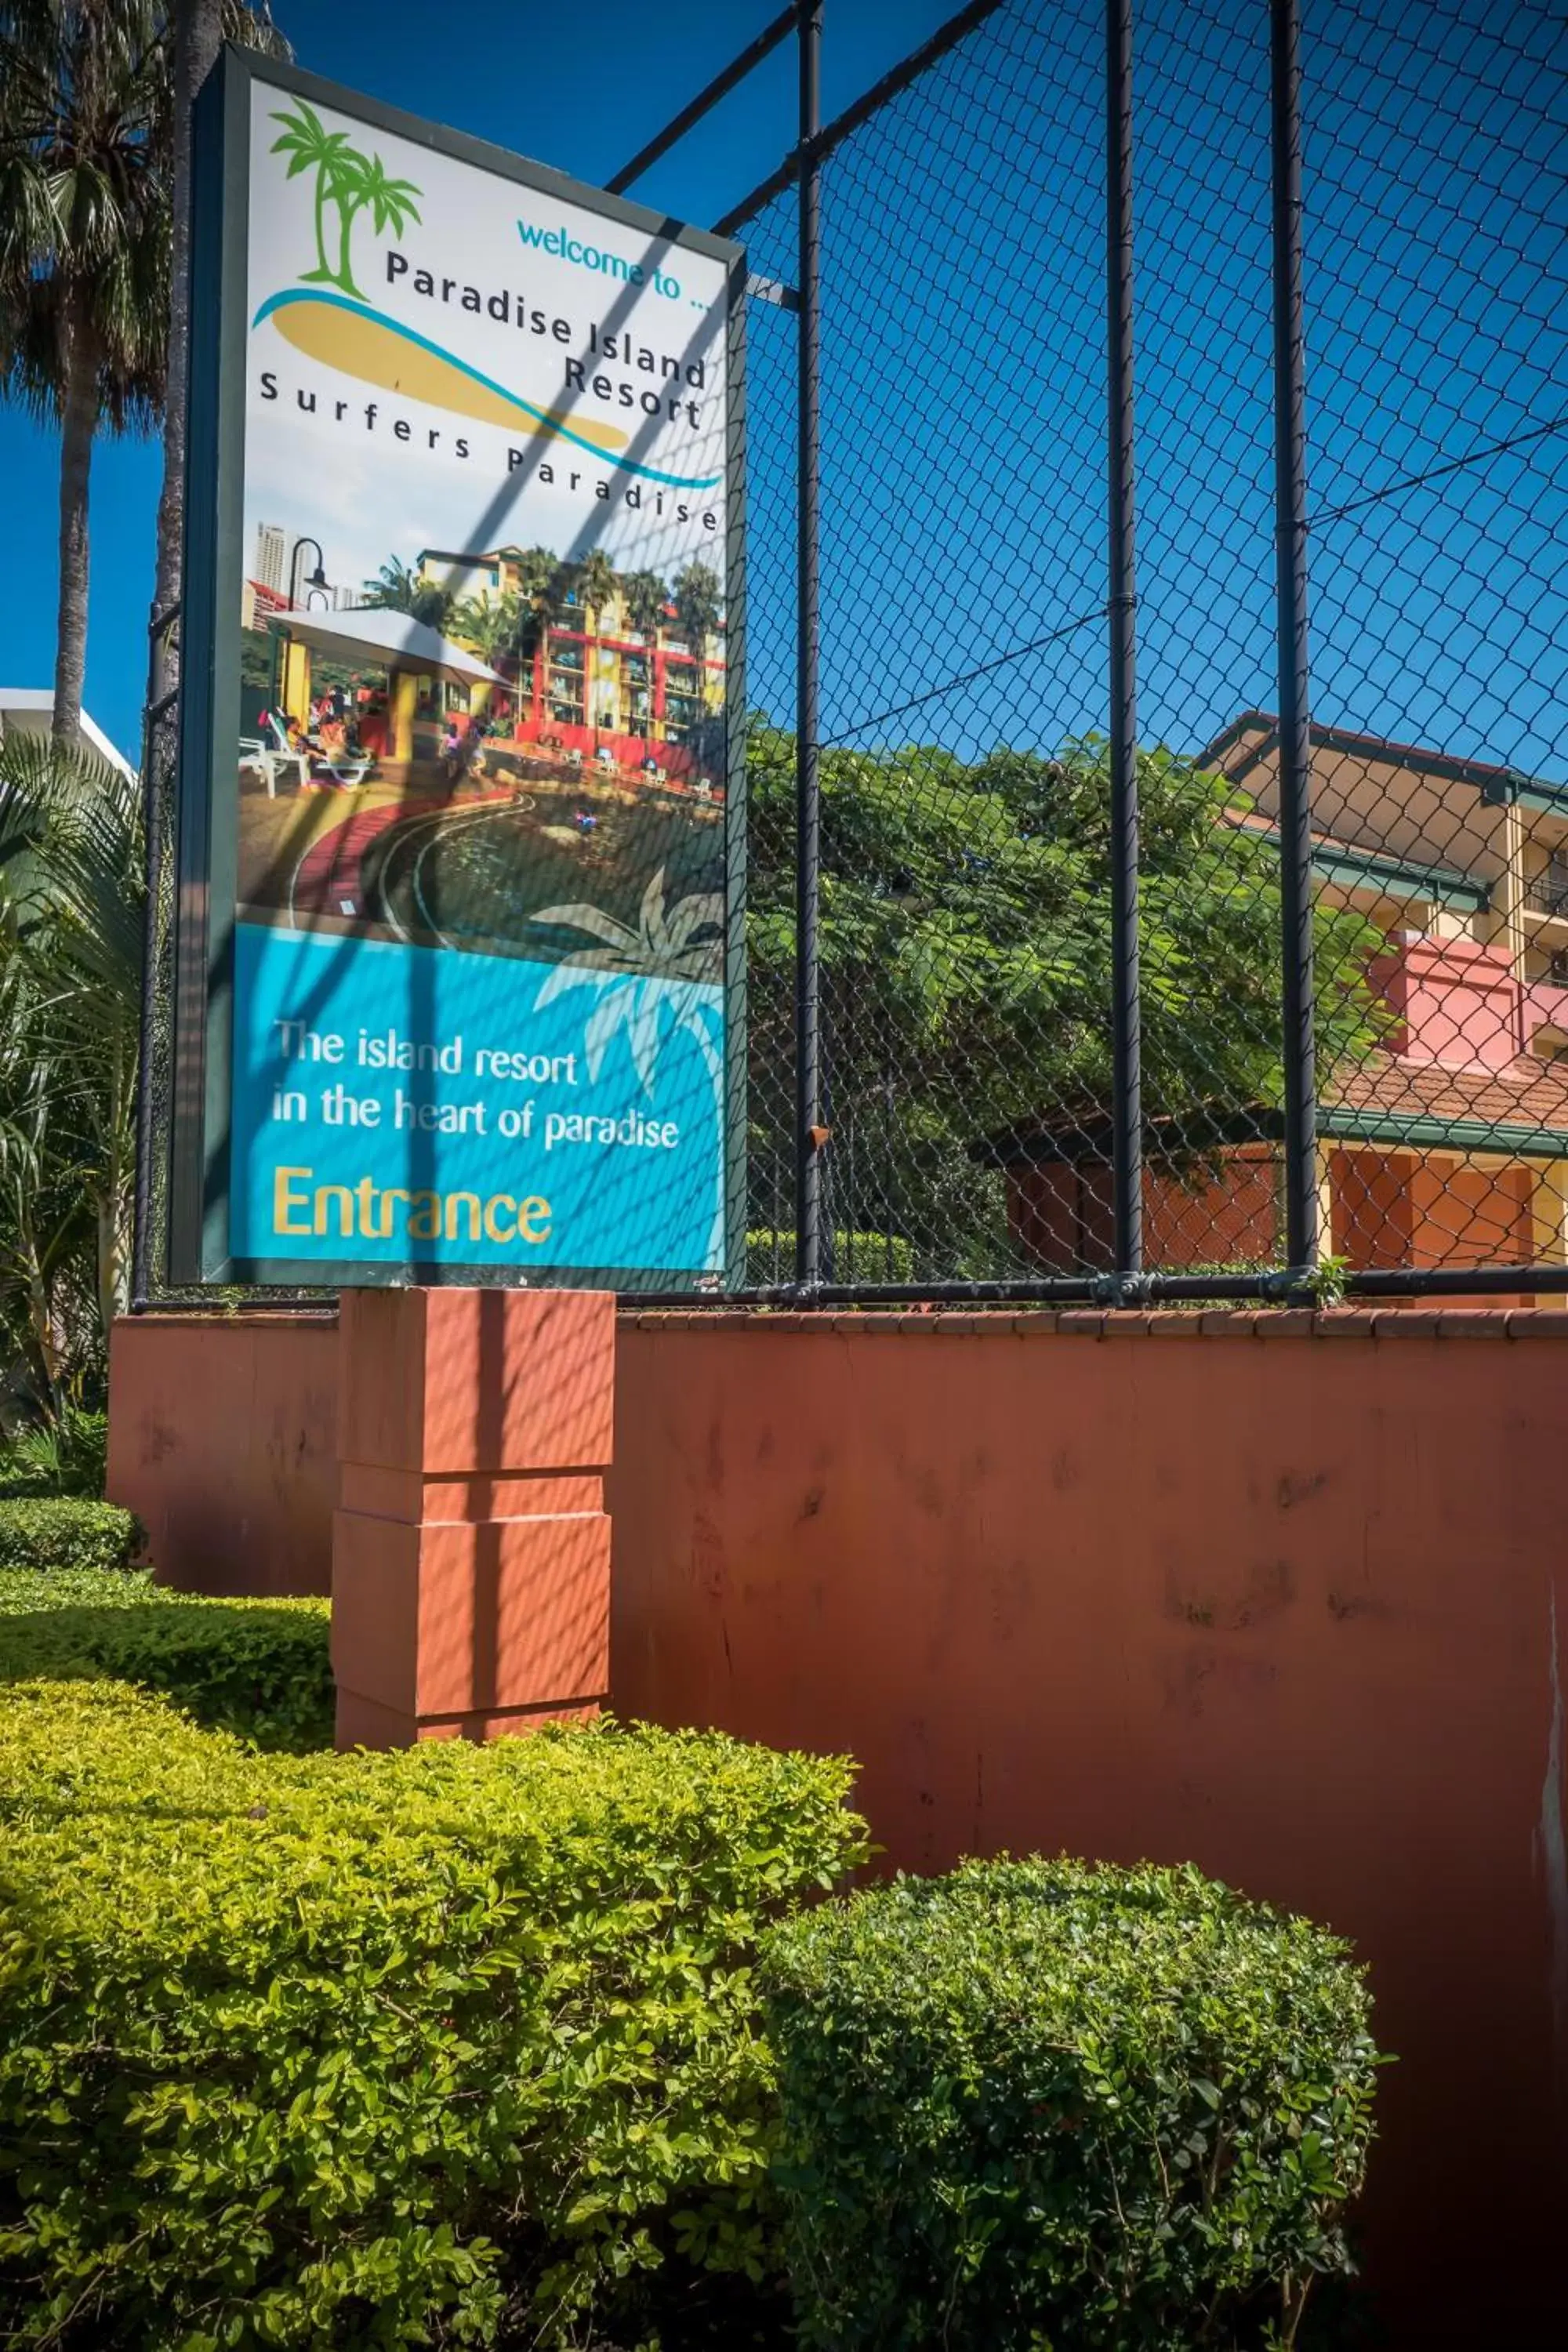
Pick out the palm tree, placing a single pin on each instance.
(653, 981)
(541, 583)
(200, 29)
(494, 626)
(48, 1320)
(84, 251)
(541, 578)
(595, 580)
(646, 596)
(697, 603)
(398, 588)
(71, 917)
(362, 182)
(311, 147)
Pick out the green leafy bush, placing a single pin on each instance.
(856, 1257)
(22, 1595)
(1044, 2104)
(49, 1532)
(64, 1456)
(258, 1668)
(382, 2049)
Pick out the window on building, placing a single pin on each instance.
(1548, 892)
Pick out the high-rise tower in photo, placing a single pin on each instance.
(270, 552)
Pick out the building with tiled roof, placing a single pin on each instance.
(1447, 1145)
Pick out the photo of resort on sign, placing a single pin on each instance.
(502, 751)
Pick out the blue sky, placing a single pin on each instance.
(581, 90)
(964, 397)
(963, 416)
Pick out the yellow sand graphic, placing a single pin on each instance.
(363, 346)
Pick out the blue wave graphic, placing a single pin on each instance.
(540, 416)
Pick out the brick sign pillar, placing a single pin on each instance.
(470, 1545)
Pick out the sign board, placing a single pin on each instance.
(459, 946)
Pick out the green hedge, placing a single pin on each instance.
(258, 1668)
(23, 1594)
(857, 1258)
(1046, 2103)
(434, 2046)
(50, 1532)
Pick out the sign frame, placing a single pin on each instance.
(197, 1238)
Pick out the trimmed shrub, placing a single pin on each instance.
(49, 1532)
(22, 1595)
(260, 1669)
(382, 2049)
(1046, 2103)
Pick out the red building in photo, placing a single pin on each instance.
(626, 679)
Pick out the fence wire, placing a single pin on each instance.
(966, 937)
(968, 961)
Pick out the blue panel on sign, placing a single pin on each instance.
(409, 1105)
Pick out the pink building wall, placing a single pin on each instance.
(1459, 1003)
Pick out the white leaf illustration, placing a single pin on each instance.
(643, 1030)
(650, 915)
(589, 970)
(604, 1021)
(657, 979)
(592, 919)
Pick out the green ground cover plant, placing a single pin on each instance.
(1048, 2106)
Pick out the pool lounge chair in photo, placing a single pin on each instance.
(270, 762)
(345, 769)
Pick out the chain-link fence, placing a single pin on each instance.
(969, 955)
(1341, 959)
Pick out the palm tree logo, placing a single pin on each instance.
(652, 981)
(344, 178)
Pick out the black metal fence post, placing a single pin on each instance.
(1127, 1111)
(153, 867)
(809, 1132)
(1290, 573)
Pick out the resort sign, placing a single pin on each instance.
(461, 829)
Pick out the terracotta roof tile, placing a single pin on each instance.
(1528, 1092)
